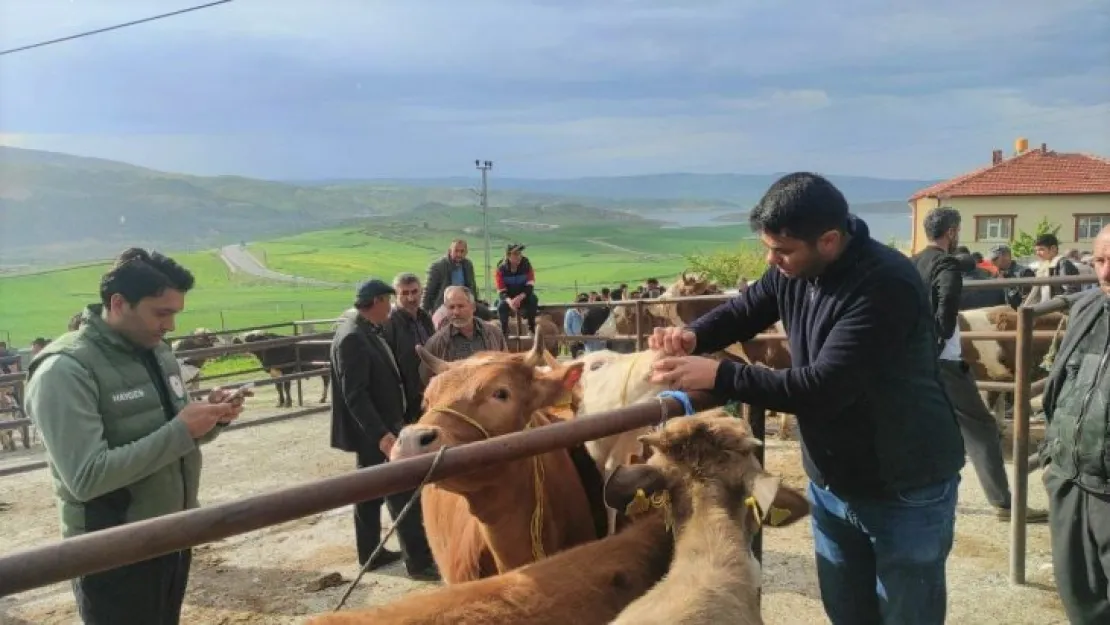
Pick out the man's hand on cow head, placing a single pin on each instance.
(686, 373)
(673, 341)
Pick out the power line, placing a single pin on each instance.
(115, 27)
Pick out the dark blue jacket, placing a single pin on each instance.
(864, 385)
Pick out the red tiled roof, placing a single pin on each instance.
(1034, 172)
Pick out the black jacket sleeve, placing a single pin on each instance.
(353, 367)
(740, 318)
(868, 336)
(1068, 268)
(947, 285)
(432, 287)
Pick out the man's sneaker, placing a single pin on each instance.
(1032, 515)
(385, 557)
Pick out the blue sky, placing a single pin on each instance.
(549, 88)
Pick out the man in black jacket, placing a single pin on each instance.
(409, 325)
(1077, 469)
(1003, 258)
(943, 274)
(367, 414)
(880, 442)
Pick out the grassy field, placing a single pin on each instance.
(593, 255)
(588, 255)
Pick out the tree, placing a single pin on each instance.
(1023, 242)
(726, 268)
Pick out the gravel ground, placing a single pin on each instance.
(269, 576)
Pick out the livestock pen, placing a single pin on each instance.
(46, 564)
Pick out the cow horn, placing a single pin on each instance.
(434, 364)
(535, 356)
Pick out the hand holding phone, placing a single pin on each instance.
(242, 391)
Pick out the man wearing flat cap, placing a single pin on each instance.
(1003, 258)
(367, 414)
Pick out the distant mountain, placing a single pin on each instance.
(859, 208)
(59, 208)
(737, 189)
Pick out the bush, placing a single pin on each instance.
(1023, 242)
(726, 268)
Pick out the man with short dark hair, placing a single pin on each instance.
(1003, 258)
(409, 325)
(122, 438)
(367, 414)
(1077, 468)
(880, 442)
(943, 275)
(1052, 264)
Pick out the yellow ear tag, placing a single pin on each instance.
(638, 505)
(754, 505)
(778, 515)
(662, 500)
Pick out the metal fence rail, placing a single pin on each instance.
(127, 544)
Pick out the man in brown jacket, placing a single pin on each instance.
(463, 335)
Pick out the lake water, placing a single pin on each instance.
(883, 226)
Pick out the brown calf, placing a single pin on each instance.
(585, 585)
(503, 517)
(719, 498)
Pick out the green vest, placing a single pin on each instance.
(131, 406)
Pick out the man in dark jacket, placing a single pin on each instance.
(1077, 469)
(453, 269)
(1003, 258)
(943, 275)
(880, 442)
(970, 270)
(366, 416)
(516, 284)
(409, 325)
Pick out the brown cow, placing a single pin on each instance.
(719, 498)
(660, 313)
(996, 359)
(191, 366)
(585, 585)
(544, 325)
(505, 516)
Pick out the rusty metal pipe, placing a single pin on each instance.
(133, 542)
(1021, 445)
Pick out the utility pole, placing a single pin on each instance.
(485, 166)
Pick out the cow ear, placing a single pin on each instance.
(550, 386)
(779, 505)
(626, 482)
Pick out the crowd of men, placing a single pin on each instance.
(876, 384)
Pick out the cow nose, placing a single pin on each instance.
(415, 440)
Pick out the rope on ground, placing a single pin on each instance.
(392, 528)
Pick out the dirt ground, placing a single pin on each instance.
(268, 576)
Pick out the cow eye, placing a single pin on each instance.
(597, 365)
(501, 394)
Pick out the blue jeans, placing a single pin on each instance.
(881, 561)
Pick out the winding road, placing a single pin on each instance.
(238, 259)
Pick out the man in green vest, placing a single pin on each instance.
(122, 438)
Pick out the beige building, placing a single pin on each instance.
(1013, 194)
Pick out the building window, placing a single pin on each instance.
(1088, 226)
(994, 228)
